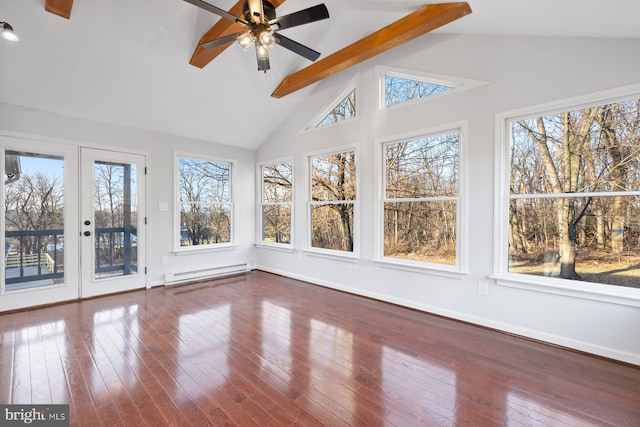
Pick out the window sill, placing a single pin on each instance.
(275, 246)
(198, 250)
(585, 290)
(336, 255)
(419, 268)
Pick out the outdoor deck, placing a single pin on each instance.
(31, 271)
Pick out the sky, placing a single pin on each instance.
(31, 165)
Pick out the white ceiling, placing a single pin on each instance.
(126, 62)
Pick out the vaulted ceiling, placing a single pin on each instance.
(130, 62)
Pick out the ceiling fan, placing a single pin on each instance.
(261, 26)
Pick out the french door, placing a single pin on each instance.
(72, 222)
(112, 222)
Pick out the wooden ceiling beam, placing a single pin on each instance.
(223, 27)
(426, 19)
(59, 7)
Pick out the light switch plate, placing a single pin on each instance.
(483, 288)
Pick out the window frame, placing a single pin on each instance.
(181, 250)
(551, 285)
(331, 105)
(260, 204)
(458, 84)
(331, 253)
(460, 269)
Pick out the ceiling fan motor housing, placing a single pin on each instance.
(269, 11)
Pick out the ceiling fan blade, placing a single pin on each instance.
(305, 16)
(213, 9)
(296, 47)
(220, 41)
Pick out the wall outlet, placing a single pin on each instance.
(483, 288)
(349, 269)
(165, 260)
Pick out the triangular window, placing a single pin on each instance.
(399, 87)
(398, 90)
(345, 110)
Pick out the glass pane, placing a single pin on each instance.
(116, 219)
(332, 226)
(346, 109)
(333, 177)
(204, 225)
(595, 149)
(277, 183)
(425, 167)
(594, 239)
(421, 231)
(34, 213)
(398, 90)
(276, 223)
(204, 181)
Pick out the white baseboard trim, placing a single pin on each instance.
(570, 343)
(205, 273)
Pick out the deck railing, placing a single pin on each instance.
(33, 254)
(42, 254)
(30, 260)
(113, 250)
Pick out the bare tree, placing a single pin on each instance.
(34, 202)
(205, 200)
(418, 224)
(277, 197)
(399, 90)
(584, 151)
(346, 109)
(333, 182)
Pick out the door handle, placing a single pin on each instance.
(87, 222)
(87, 233)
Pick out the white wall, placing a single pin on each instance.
(523, 72)
(160, 150)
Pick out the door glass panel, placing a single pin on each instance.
(34, 220)
(115, 216)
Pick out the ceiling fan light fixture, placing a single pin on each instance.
(245, 40)
(6, 32)
(261, 51)
(261, 27)
(267, 40)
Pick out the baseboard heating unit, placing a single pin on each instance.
(205, 273)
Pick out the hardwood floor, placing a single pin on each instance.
(263, 350)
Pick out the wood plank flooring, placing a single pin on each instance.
(263, 350)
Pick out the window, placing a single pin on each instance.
(276, 202)
(398, 87)
(115, 205)
(34, 194)
(332, 204)
(398, 90)
(345, 110)
(421, 199)
(573, 207)
(341, 108)
(205, 202)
